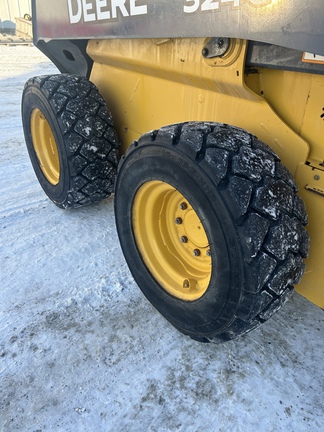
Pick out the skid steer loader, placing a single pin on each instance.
(204, 118)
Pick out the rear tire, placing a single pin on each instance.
(222, 181)
(70, 139)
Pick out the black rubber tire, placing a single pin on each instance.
(252, 216)
(83, 130)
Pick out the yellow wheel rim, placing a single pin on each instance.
(45, 146)
(172, 240)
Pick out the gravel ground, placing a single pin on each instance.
(82, 350)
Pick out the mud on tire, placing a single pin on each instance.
(83, 135)
(252, 215)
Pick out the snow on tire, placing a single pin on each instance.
(70, 139)
(253, 218)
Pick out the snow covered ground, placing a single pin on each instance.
(82, 350)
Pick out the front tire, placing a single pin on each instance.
(211, 227)
(70, 139)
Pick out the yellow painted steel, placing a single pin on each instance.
(299, 100)
(172, 240)
(312, 283)
(45, 146)
(148, 84)
(151, 83)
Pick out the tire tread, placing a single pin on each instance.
(87, 129)
(265, 204)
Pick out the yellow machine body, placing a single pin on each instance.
(151, 83)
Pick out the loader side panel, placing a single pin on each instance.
(151, 83)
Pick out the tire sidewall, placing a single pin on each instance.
(215, 310)
(33, 98)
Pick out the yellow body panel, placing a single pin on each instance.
(299, 100)
(151, 83)
(312, 192)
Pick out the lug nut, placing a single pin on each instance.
(184, 239)
(205, 52)
(208, 253)
(196, 252)
(178, 221)
(183, 206)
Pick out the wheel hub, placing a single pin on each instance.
(172, 240)
(194, 229)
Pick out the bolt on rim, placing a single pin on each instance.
(172, 240)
